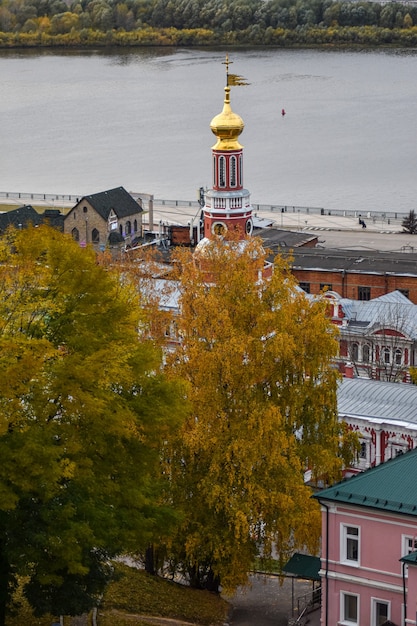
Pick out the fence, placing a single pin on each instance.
(71, 199)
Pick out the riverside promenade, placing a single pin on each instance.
(335, 228)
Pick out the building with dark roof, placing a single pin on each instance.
(369, 538)
(25, 216)
(96, 216)
(358, 275)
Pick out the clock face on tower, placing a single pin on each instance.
(249, 227)
(219, 228)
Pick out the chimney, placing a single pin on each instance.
(348, 370)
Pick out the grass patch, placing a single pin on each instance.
(135, 592)
(131, 596)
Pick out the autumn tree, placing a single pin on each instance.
(84, 412)
(258, 357)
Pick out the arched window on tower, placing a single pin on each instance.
(222, 172)
(233, 171)
(240, 171)
(214, 172)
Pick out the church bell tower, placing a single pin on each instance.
(227, 204)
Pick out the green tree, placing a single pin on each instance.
(258, 358)
(84, 409)
(409, 223)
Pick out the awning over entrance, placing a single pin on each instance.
(303, 566)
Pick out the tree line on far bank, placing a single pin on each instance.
(201, 22)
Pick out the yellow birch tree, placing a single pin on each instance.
(257, 354)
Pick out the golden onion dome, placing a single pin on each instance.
(227, 126)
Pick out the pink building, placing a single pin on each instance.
(369, 524)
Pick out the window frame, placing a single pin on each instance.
(343, 618)
(222, 171)
(374, 616)
(407, 549)
(233, 171)
(345, 548)
(364, 293)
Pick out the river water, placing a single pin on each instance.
(81, 122)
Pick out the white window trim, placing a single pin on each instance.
(373, 609)
(343, 545)
(344, 621)
(405, 548)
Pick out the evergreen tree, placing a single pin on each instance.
(409, 223)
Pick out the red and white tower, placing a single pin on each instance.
(227, 204)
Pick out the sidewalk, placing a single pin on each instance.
(266, 602)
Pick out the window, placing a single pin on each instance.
(95, 236)
(398, 356)
(366, 353)
(362, 451)
(326, 286)
(135, 226)
(349, 608)
(75, 234)
(240, 170)
(364, 293)
(350, 545)
(305, 287)
(128, 228)
(233, 171)
(355, 352)
(386, 355)
(222, 172)
(85, 209)
(380, 612)
(409, 544)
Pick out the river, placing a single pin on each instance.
(81, 122)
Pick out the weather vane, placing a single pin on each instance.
(233, 80)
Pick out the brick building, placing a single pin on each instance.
(363, 275)
(111, 216)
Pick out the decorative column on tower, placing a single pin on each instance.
(227, 204)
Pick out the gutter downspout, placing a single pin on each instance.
(404, 594)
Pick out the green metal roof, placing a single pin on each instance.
(303, 566)
(410, 558)
(390, 486)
